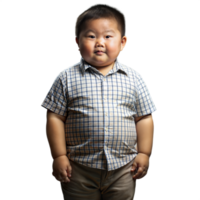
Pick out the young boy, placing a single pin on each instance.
(98, 110)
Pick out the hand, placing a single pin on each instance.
(141, 164)
(62, 169)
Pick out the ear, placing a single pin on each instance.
(124, 43)
(76, 41)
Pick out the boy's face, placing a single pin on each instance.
(100, 42)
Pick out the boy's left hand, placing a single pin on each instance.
(141, 164)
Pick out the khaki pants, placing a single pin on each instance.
(95, 184)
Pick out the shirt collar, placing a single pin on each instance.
(117, 66)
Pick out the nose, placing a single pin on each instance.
(99, 43)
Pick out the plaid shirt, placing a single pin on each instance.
(100, 127)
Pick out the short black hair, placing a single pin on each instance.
(100, 11)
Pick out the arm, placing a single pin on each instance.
(144, 128)
(56, 134)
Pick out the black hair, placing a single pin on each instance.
(100, 11)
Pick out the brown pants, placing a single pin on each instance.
(95, 184)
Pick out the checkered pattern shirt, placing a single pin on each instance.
(100, 127)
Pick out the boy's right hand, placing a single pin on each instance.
(62, 169)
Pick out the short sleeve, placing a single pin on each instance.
(56, 100)
(144, 103)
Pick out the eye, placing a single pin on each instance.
(91, 36)
(108, 36)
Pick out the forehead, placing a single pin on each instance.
(102, 24)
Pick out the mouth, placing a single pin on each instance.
(99, 52)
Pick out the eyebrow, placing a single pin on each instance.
(90, 30)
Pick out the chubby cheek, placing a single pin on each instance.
(86, 49)
(113, 48)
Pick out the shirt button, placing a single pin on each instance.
(106, 114)
(106, 128)
(104, 79)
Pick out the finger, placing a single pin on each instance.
(66, 179)
(138, 174)
(69, 170)
(143, 174)
(134, 167)
(69, 175)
